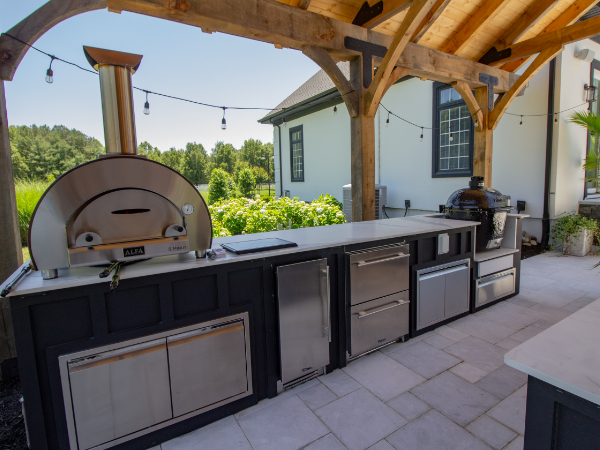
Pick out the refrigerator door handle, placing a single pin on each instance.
(370, 312)
(328, 327)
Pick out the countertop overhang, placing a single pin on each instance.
(566, 355)
(308, 239)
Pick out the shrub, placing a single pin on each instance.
(220, 187)
(28, 194)
(242, 215)
(570, 226)
(330, 200)
(246, 182)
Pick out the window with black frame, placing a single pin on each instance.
(297, 153)
(452, 134)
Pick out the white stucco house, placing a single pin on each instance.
(539, 161)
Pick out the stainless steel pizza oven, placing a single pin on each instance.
(120, 207)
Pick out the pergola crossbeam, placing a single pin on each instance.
(390, 9)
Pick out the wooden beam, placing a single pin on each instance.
(504, 101)
(572, 33)
(415, 15)
(524, 23)
(483, 141)
(571, 15)
(10, 238)
(35, 25)
(304, 4)
(434, 13)
(482, 16)
(397, 73)
(465, 92)
(390, 9)
(325, 61)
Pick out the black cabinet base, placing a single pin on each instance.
(559, 420)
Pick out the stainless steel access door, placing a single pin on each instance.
(378, 272)
(207, 366)
(119, 392)
(303, 296)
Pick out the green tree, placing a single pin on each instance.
(246, 183)
(220, 187)
(260, 175)
(173, 158)
(223, 156)
(195, 163)
(251, 152)
(152, 153)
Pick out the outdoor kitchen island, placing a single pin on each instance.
(563, 392)
(103, 368)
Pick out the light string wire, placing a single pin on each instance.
(147, 91)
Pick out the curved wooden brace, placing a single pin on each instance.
(465, 92)
(34, 26)
(397, 73)
(325, 61)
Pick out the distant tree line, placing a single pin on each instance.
(41, 152)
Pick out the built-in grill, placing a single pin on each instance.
(120, 207)
(480, 204)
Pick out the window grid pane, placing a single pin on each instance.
(455, 134)
(297, 160)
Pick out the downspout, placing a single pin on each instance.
(549, 145)
(280, 166)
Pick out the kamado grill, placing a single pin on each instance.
(120, 207)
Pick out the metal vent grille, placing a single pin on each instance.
(377, 209)
(380, 201)
(347, 201)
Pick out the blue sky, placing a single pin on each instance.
(179, 60)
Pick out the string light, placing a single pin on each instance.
(49, 73)
(334, 110)
(223, 122)
(387, 122)
(521, 122)
(284, 123)
(421, 140)
(146, 105)
(555, 118)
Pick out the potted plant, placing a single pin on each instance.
(574, 234)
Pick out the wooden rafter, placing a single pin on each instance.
(434, 13)
(465, 92)
(482, 16)
(302, 4)
(504, 100)
(325, 61)
(563, 36)
(390, 9)
(524, 23)
(571, 15)
(35, 25)
(415, 15)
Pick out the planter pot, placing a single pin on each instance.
(579, 245)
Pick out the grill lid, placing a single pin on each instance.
(477, 197)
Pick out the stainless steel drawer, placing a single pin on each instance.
(119, 392)
(207, 366)
(494, 287)
(495, 265)
(378, 272)
(378, 322)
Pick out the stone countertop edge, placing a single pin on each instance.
(566, 355)
(308, 239)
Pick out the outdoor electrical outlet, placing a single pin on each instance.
(407, 203)
(520, 205)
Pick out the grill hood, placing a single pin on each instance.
(120, 207)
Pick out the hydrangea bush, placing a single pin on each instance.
(245, 216)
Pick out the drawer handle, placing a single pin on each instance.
(370, 312)
(377, 261)
(494, 280)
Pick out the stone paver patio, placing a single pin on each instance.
(447, 389)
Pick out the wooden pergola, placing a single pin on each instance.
(474, 45)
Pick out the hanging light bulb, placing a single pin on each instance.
(223, 122)
(49, 73)
(421, 140)
(387, 122)
(146, 105)
(451, 135)
(521, 122)
(555, 118)
(284, 123)
(334, 110)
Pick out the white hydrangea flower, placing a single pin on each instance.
(319, 210)
(220, 211)
(262, 211)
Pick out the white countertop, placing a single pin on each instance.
(566, 355)
(306, 238)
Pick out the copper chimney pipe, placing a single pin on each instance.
(115, 70)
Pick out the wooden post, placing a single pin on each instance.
(362, 159)
(10, 239)
(483, 143)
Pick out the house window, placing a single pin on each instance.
(297, 153)
(593, 141)
(452, 134)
